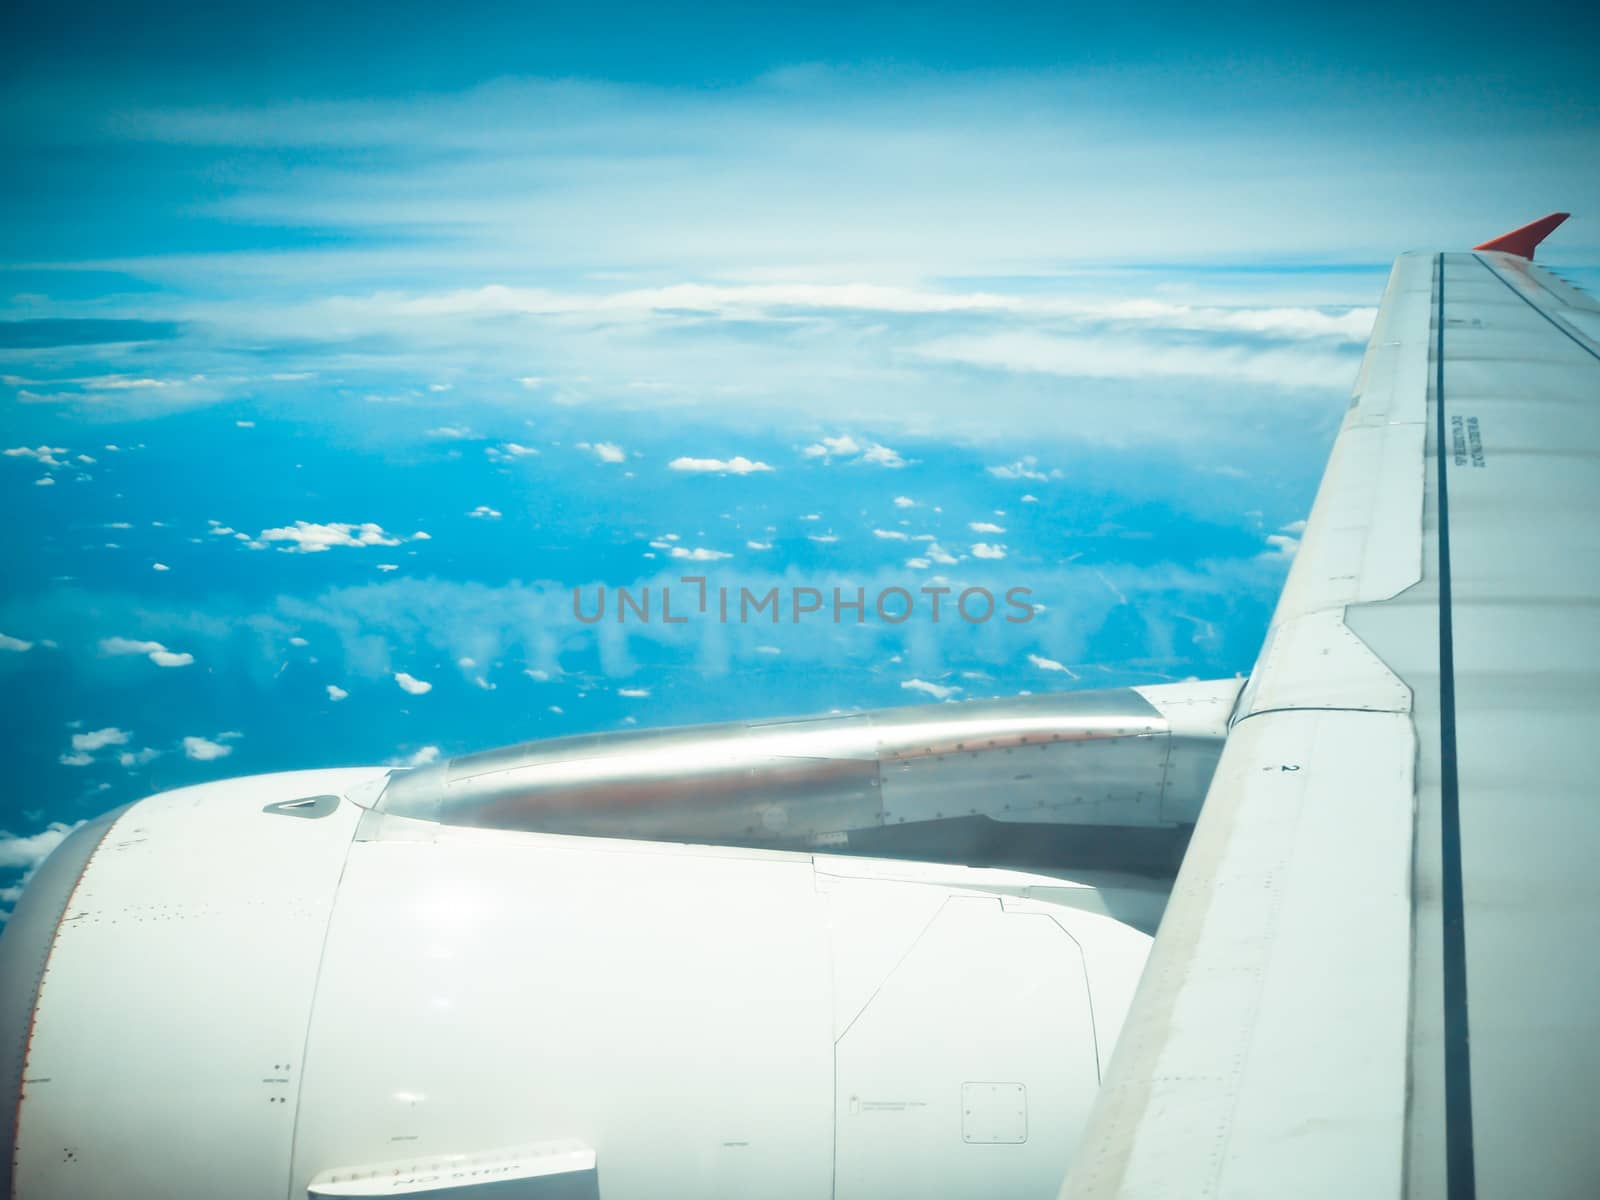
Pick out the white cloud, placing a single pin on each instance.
(336, 693)
(984, 527)
(44, 455)
(154, 651)
(904, 502)
(1030, 498)
(938, 691)
(138, 758)
(308, 537)
(245, 424)
(1102, 357)
(99, 739)
(410, 683)
(699, 554)
(843, 446)
(31, 850)
(939, 554)
(509, 451)
(1283, 546)
(204, 749)
(1050, 664)
(737, 465)
(634, 693)
(917, 564)
(422, 757)
(484, 512)
(825, 539)
(882, 456)
(44, 481)
(16, 645)
(846, 446)
(891, 535)
(1294, 527)
(1026, 468)
(159, 567)
(759, 545)
(987, 550)
(451, 433)
(123, 383)
(76, 759)
(608, 452)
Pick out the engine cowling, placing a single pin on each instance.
(264, 988)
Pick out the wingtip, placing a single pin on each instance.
(1524, 241)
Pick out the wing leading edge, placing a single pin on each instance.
(1376, 972)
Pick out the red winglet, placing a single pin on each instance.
(1522, 241)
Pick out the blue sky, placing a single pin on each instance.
(1049, 296)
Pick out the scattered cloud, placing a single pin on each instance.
(44, 455)
(737, 465)
(699, 554)
(99, 739)
(634, 693)
(891, 535)
(939, 691)
(410, 683)
(758, 545)
(452, 433)
(904, 502)
(420, 758)
(204, 749)
(987, 550)
(1050, 664)
(160, 566)
(16, 645)
(606, 452)
(843, 446)
(847, 447)
(984, 527)
(1283, 545)
(509, 451)
(309, 537)
(154, 651)
(44, 481)
(1024, 468)
(27, 852)
(484, 512)
(336, 693)
(882, 456)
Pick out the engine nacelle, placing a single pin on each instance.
(262, 988)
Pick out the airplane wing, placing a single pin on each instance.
(1378, 972)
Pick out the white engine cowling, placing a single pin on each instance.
(242, 990)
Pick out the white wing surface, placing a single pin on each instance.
(1379, 971)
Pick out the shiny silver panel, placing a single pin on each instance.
(1100, 757)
